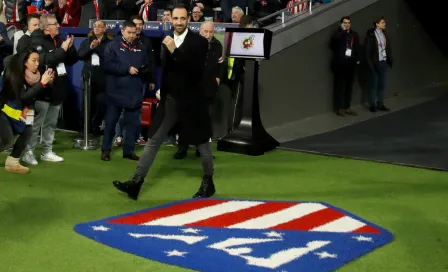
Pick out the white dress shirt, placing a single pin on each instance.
(178, 40)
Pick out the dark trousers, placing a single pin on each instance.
(131, 124)
(97, 110)
(378, 84)
(153, 145)
(7, 138)
(344, 76)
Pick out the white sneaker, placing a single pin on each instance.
(51, 157)
(29, 158)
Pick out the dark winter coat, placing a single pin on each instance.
(372, 54)
(123, 89)
(182, 73)
(50, 56)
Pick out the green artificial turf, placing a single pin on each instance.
(38, 211)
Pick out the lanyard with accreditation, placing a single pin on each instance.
(381, 42)
(348, 51)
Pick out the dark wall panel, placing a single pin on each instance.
(297, 82)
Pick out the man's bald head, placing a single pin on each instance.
(207, 30)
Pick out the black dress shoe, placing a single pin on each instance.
(105, 156)
(181, 153)
(131, 156)
(383, 108)
(372, 109)
(207, 188)
(130, 187)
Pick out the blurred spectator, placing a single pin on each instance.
(37, 3)
(145, 10)
(166, 15)
(69, 12)
(24, 41)
(90, 10)
(262, 8)
(55, 54)
(47, 7)
(6, 45)
(118, 9)
(2, 14)
(196, 15)
(91, 51)
(237, 14)
(345, 46)
(379, 60)
(15, 11)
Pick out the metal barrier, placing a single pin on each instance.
(85, 143)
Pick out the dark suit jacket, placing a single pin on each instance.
(182, 73)
(372, 54)
(339, 43)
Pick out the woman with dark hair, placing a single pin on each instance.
(22, 82)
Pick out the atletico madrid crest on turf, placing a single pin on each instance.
(241, 235)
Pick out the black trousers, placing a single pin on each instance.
(344, 76)
(97, 107)
(7, 138)
(152, 146)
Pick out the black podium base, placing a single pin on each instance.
(252, 144)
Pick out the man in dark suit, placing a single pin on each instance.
(214, 69)
(345, 46)
(183, 104)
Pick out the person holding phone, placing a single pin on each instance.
(22, 84)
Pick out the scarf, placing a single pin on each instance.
(32, 78)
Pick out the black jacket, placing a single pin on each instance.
(85, 54)
(372, 54)
(27, 97)
(51, 55)
(122, 11)
(214, 67)
(340, 41)
(182, 73)
(23, 43)
(150, 52)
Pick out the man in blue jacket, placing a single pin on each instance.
(127, 70)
